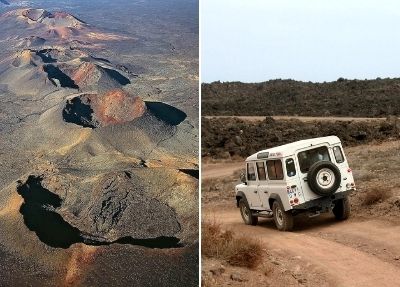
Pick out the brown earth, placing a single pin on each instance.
(361, 251)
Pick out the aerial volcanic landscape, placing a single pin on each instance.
(98, 155)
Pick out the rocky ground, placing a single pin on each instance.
(98, 147)
(230, 137)
(344, 98)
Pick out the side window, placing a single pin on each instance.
(261, 171)
(275, 169)
(337, 151)
(290, 167)
(251, 173)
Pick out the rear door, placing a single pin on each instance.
(293, 188)
(306, 158)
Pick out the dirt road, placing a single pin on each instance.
(357, 252)
(219, 170)
(303, 119)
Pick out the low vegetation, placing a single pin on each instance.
(376, 195)
(223, 244)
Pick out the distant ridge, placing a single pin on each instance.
(354, 98)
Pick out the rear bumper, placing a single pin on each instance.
(322, 202)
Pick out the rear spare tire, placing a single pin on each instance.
(324, 178)
(246, 213)
(283, 219)
(342, 209)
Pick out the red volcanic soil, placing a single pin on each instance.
(116, 107)
(84, 74)
(62, 32)
(101, 110)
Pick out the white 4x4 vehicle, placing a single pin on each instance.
(305, 176)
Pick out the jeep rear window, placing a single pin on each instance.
(275, 170)
(290, 167)
(337, 151)
(251, 173)
(261, 171)
(309, 157)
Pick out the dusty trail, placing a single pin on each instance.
(219, 170)
(356, 252)
(347, 266)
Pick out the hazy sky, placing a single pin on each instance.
(308, 40)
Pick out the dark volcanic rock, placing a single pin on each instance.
(118, 210)
(120, 207)
(352, 98)
(219, 135)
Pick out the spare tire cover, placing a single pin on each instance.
(324, 178)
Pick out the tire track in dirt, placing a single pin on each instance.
(347, 266)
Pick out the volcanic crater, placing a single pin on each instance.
(116, 107)
(40, 215)
(97, 198)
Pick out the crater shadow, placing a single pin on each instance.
(99, 59)
(46, 58)
(55, 73)
(161, 242)
(122, 80)
(79, 113)
(38, 214)
(192, 172)
(166, 113)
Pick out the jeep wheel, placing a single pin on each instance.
(324, 178)
(283, 219)
(245, 211)
(342, 209)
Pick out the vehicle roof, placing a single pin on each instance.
(291, 148)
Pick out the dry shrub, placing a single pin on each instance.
(245, 253)
(237, 251)
(375, 195)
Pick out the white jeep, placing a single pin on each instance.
(305, 176)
